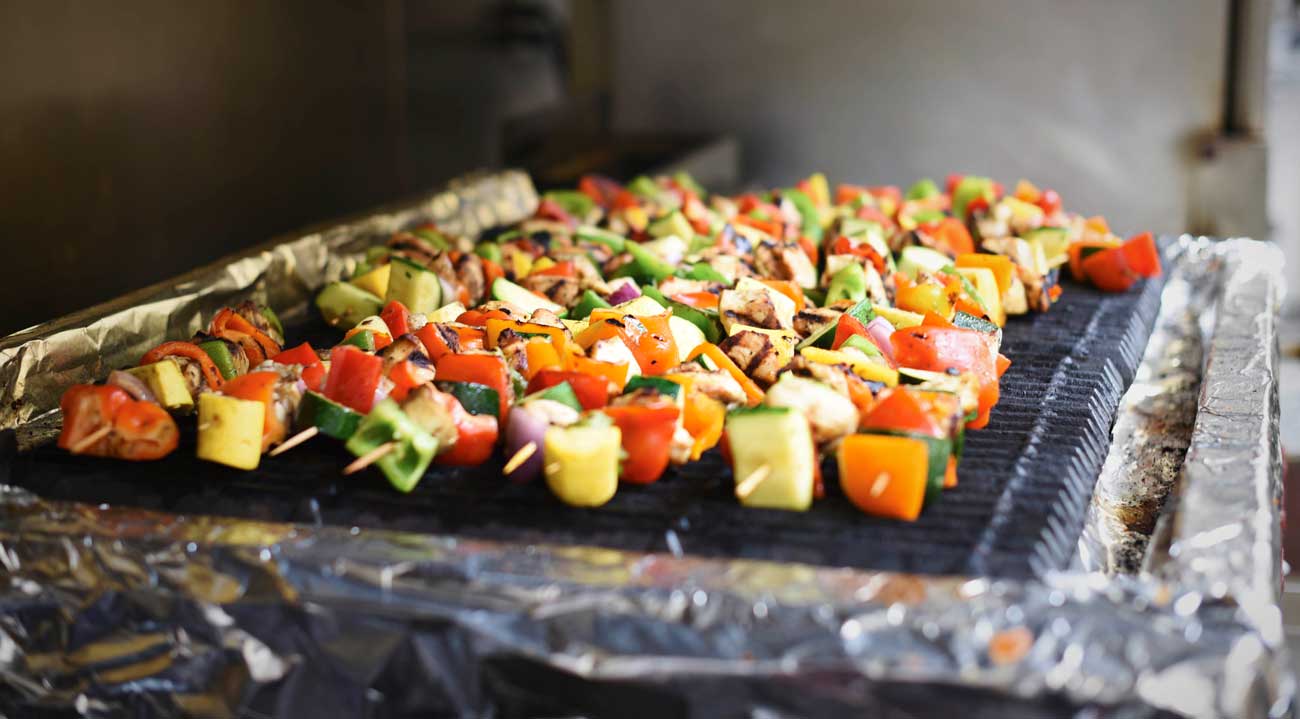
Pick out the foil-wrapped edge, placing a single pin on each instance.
(106, 608)
(1155, 418)
(37, 364)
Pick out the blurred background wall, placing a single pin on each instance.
(1102, 101)
(140, 140)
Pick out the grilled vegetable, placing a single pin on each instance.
(413, 447)
(884, 475)
(776, 442)
(167, 384)
(581, 461)
(230, 430)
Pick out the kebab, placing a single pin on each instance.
(621, 329)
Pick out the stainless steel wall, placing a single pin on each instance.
(1101, 100)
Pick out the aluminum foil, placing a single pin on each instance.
(111, 611)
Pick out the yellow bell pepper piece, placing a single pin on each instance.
(230, 430)
(861, 365)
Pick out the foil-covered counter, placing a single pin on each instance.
(115, 612)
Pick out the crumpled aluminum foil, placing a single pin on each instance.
(111, 612)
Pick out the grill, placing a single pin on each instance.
(1024, 481)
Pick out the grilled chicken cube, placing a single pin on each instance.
(810, 319)
(785, 261)
(716, 384)
(515, 348)
(755, 354)
(830, 414)
(560, 290)
(469, 271)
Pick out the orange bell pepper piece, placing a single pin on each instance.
(753, 393)
(884, 475)
(260, 387)
(1002, 267)
(789, 289)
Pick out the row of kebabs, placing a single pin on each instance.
(623, 329)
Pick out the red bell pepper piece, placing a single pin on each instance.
(406, 376)
(211, 375)
(397, 317)
(86, 409)
(950, 234)
(1049, 201)
(476, 435)
(647, 437)
(144, 431)
(1109, 270)
(770, 227)
(592, 391)
(260, 387)
(313, 370)
(551, 210)
(901, 411)
(601, 189)
(228, 324)
(938, 348)
(486, 369)
(479, 318)
(845, 193)
(139, 430)
(353, 378)
(846, 327)
(703, 300)
(441, 338)
(1142, 255)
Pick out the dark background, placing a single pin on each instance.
(141, 139)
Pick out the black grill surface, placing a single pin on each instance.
(1024, 481)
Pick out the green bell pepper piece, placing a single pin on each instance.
(221, 357)
(810, 220)
(850, 283)
(703, 272)
(433, 237)
(489, 251)
(684, 179)
(573, 202)
(413, 449)
(588, 302)
(968, 190)
(706, 320)
(645, 267)
(274, 320)
(923, 188)
(562, 393)
(364, 340)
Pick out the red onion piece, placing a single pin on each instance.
(879, 331)
(525, 427)
(626, 291)
(133, 385)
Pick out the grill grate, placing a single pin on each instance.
(1024, 481)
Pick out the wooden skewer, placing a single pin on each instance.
(295, 440)
(519, 458)
(370, 457)
(750, 483)
(89, 440)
